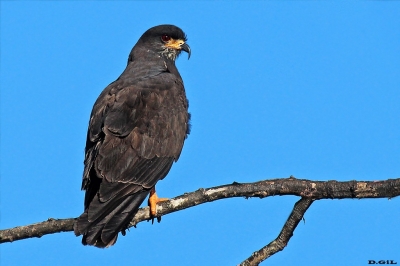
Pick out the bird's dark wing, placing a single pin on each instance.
(136, 131)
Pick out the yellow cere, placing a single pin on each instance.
(175, 44)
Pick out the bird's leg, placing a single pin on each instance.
(153, 200)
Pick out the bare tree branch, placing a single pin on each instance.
(284, 236)
(50, 226)
(286, 186)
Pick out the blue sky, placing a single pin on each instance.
(309, 89)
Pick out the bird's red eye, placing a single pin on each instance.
(165, 38)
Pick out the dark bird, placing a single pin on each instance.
(136, 132)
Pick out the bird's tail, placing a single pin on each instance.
(102, 230)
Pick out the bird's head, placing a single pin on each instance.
(167, 40)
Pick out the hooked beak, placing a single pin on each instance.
(186, 48)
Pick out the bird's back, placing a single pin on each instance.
(136, 131)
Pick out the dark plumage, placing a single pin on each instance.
(136, 132)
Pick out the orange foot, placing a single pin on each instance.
(153, 200)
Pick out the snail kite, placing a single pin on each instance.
(136, 132)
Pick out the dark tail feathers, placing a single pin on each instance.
(103, 231)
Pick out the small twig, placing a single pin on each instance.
(283, 238)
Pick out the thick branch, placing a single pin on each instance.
(283, 238)
(286, 186)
